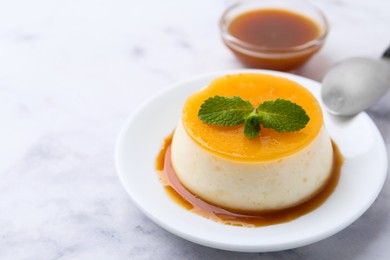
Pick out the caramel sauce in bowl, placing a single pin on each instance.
(273, 34)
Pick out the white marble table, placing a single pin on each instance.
(70, 74)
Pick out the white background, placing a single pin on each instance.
(71, 72)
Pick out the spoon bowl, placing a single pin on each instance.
(355, 84)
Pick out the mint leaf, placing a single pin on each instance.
(224, 111)
(282, 115)
(252, 125)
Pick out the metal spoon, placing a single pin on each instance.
(355, 84)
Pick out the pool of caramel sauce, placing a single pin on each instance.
(191, 202)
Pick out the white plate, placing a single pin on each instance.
(362, 177)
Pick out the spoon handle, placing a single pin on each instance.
(386, 54)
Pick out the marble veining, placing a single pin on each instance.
(70, 74)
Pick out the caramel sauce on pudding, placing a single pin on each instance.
(183, 197)
(230, 142)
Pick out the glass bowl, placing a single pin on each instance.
(274, 57)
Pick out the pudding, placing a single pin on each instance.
(271, 172)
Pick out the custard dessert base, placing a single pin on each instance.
(252, 186)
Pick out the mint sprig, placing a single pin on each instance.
(280, 114)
